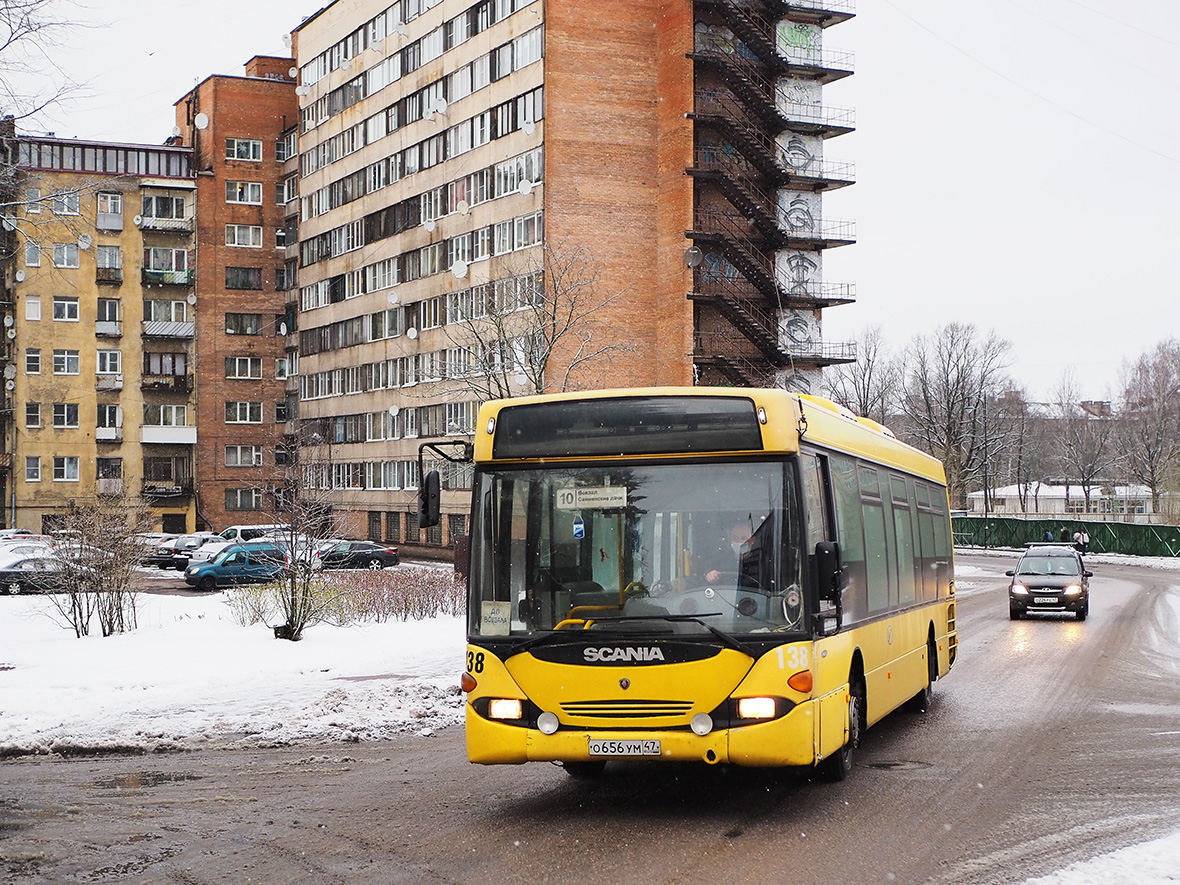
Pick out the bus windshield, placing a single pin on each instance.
(684, 548)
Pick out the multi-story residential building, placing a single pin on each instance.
(241, 132)
(447, 147)
(99, 331)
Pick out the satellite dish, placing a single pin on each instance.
(411, 333)
(10, 372)
(9, 384)
(84, 242)
(440, 106)
(393, 410)
(175, 131)
(429, 225)
(192, 298)
(521, 379)
(393, 299)
(286, 38)
(292, 72)
(459, 269)
(138, 219)
(201, 121)
(282, 328)
(693, 256)
(303, 90)
(526, 187)
(11, 334)
(463, 207)
(8, 321)
(400, 28)
(529, 127)
(20, 276)
(428, 114)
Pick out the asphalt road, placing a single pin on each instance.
(1049, 742)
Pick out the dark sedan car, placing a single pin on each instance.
(1049, 579)
(32, 574)
(357, 554)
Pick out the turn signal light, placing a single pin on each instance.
(801, 681)
(467, 682)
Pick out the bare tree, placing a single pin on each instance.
(537, 330)
(97, 555)
(1149, 418)
(1085, 438)
(31, 80)
(871, 386)
(950, 376)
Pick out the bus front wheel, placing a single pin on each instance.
(838, 766)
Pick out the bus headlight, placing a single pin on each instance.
(505, 708)
(702, 724)
(547, 723)
(756, 708)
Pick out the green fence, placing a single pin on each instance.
(1105, 537)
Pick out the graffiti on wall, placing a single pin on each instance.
(796, 271)
(799, 211)
(799, 42)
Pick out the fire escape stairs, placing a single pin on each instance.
(732, 236)
(748, 199)
(746, 83)
(753, 29)
(757, 325)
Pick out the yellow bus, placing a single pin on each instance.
(725, 575)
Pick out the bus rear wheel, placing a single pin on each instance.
(838, 766)
(921, 702)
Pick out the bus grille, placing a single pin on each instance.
(627, 709)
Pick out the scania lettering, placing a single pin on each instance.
(724, 575)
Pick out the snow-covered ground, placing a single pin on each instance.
(190, 676)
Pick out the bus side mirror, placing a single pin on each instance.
(827, 570)
(428, 500)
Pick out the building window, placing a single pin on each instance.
(165, 311)
(243, 149)
(281, 368)
(65, 255)
(66, 203)
(281, 412)
(109, 468)
(65, 415)
(66, 362)
(65, 309)
(393, 526)
(243, 413)
(65, 469)
(280, 239)
(32, 414)
(32, 360)
(165, 416)
(32, 254)
(243, 278)
(244, 192)
(243, 324)
(108, 310)
(32, 201)
(32, 468)
(110, 204)
(243, 499)
(164, 363)
(165, 259)
(243, 235)
(110, 362)
(243, 456)
(109, 415)
(109, 261)
(434, 535)
(163, 207)
(457, 524)
(32, 307)
(374, 525)
(243, 367)
(285, 146)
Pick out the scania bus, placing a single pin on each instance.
(716, 574)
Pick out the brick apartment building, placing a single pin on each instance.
(240, 130)
(444, 145)
(98, 318)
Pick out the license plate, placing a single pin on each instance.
(1044, 600)
(624, 748)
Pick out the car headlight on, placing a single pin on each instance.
(1073, 589)
(756, 708)
(1019, 590)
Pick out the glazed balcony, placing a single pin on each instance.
(153, 277)
(169, 225)
(168, 435)
(110, 275)
(167, 383)
(108, 434)
(168, 329)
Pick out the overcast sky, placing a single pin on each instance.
(1018, 162)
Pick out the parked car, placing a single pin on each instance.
(356, 554)
(184, 546)
(149, 541)
(32, 574)
(25, 548)
(1049, 578)
(161, 555)
(254, 562)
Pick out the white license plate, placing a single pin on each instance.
(624, 748)
(1044, 600)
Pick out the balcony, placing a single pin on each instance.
(108, 434)
(173, 383)
(820, 12)
(173, 225)
(818, 119)
(109, 328)
(179, 436)
(152, 277)
(108, 382)
(168, 329)
(165, 489)
(112, 221)
(112, 275)
(111, 486)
